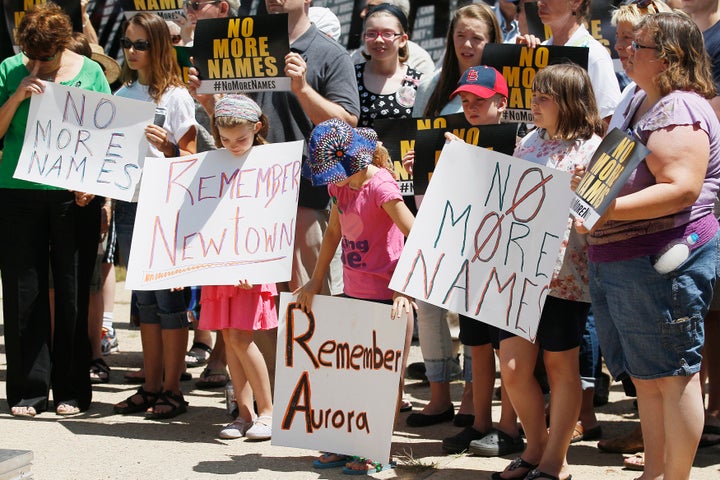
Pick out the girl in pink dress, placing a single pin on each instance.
(239, 310)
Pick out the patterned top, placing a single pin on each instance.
(570, 275)
(393, 105)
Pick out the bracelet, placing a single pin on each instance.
(177, 150)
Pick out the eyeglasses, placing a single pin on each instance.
(640, 3)
(636, 46)
(372, 35)
(196, 5)
(49, 58)
(138, 45)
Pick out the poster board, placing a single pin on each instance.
(215, 219)
(337, 374)
(484, 242)
(86, 141)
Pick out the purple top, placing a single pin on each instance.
(622, 240)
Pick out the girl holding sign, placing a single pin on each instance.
(151, 74)
(239, 310)
(569, 131)
(367, 209)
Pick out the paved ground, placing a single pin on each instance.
(101, 445)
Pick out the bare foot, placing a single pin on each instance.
(69, 407)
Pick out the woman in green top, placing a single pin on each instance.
(39, 229)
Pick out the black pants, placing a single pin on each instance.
(41, 229)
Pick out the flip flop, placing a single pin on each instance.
(337, 463)
(375, 467)
(635, 462)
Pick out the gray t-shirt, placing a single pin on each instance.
(330, 73)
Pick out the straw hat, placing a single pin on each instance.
(110, 66)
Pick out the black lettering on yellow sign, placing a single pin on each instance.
(141, 5)
(603, 174)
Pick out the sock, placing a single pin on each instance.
(108, 322)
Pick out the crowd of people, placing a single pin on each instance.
(615, 294)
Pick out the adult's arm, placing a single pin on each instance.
(28, 86)
(316, 106)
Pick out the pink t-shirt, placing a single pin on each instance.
(371, 242)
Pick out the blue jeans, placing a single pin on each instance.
(590, 359)
(650, 325)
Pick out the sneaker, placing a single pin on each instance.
(108, 342)
(261, 429)
(236, 429)
(496, 444)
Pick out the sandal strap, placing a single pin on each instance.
(166, 398)
(201, 346)
(98, 365)
(519, 462)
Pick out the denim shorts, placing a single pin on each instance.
(650, 325)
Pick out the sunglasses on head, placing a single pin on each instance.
(40, 59)
(139, 45)
(640, 3)
(196, 4)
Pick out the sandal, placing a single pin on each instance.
(369, 467)
(175, 401)
(339, 460)
(99, 371)
(514, 465)
(635, 462)
(139, 376)
(206, 380)
(67, 407)
(148, 400)
(538, 474)
(198, 354)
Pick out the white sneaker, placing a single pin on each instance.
(236, 429)
(261, 429)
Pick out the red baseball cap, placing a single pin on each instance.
(483, 81)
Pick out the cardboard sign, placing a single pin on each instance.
(486, 238)
(216, 219)
(398, 136)
(519, 64)
(243, 54)
(86, 141)
(337, 374)
(617, 156)
(430, 140)
(167, 9)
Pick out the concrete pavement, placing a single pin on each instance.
(101, 445)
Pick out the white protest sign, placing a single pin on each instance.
(216, 219)
(486, 237)
(85, 141)
(337, 373)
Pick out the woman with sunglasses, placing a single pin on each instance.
(39, 225)
(151, 74)
(386, 84)
(654, 253)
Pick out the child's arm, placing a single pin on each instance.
(400, 214)
(330, 243)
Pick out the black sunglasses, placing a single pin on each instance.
(196, 4)
(139, 45)
(40, 59)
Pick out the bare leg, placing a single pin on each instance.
(564, 376)
(253, 364)
(517, 364)
(483, 375)
(243, 392)
(670, 444)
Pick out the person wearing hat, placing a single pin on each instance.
(484, 94)
(110, 66)
(370, 217)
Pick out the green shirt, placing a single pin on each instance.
(12, 72)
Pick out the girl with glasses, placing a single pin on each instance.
(151, 74)
(386, 84)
